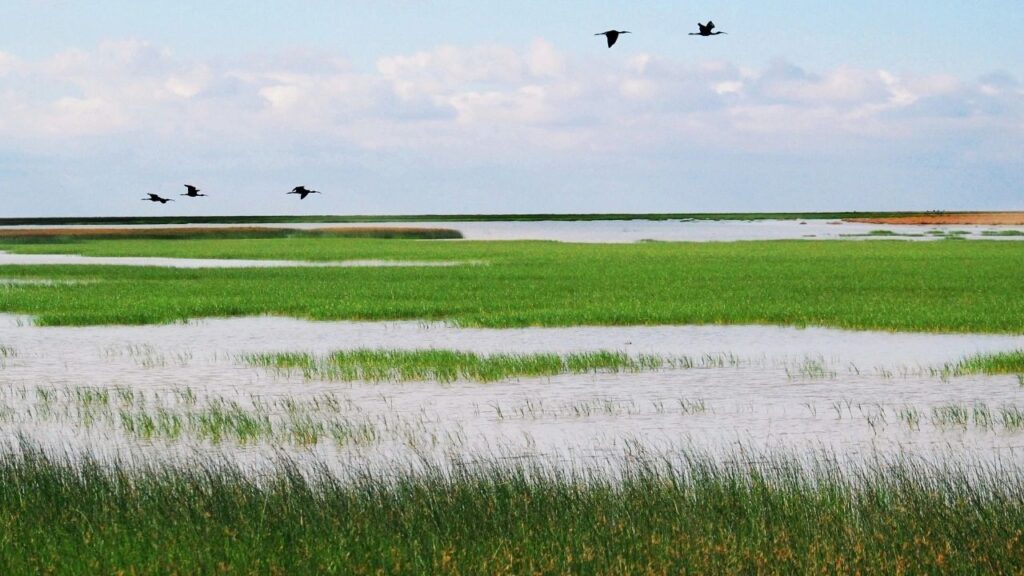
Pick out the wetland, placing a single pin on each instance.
(552, 407)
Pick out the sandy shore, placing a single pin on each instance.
(968, 218)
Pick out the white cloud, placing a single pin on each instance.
(543, 59)
(481, 101)
(7, 63)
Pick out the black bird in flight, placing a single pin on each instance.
(192, 192)
(302, 192)
(155, 198)
(612, 35)
(706, 30)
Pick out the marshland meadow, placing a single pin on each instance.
(845, 403)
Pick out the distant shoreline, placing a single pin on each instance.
(873, 217)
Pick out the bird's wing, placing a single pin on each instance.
(153, 196)
(711, 25)
(612, 38)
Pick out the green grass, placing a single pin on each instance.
(1002, 232)
(929, 286)
(997, 363)
(376, 365)
(703, 518)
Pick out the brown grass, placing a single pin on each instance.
(236, 231)
(965, 218)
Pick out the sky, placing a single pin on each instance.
(412, 107)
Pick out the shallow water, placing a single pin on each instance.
(759, 388)
(627, 231)
(7, 259)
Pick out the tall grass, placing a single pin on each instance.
(952, 287)
(376, 365)
(704, 517)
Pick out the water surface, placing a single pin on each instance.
(753, 388)
(628, 231)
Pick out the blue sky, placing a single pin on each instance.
(412, 107)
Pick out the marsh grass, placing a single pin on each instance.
(883, 234)
(1008, 418)
(182, 415)
(998, 233)
(922, 286)
(995, 363)
(67, 235)
(751, 515)
(376, 365)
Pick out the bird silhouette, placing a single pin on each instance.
(303, 192)
(612, 35)
(155, 198)
(706, 30)
(192, 192)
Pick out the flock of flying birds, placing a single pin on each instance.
(611, 35)
(703, 30)
(193, 192)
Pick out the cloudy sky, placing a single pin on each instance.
(406, 106)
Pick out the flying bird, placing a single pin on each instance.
(303, 192)
(155, 198)
(612, 35)
(706, 30)
(192, 192)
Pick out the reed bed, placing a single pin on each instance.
(49, 235)
(435, 365)
(756, 514)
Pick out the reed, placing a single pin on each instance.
(997, 363)
(761, 515)
(65, 235)
(376, 365)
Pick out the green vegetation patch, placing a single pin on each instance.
(882, 234)
(972, 286)
(998, 233)
(449, 365)
(998, 363)
(709, 518)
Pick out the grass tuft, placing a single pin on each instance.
(998, 363)
(376, 365)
